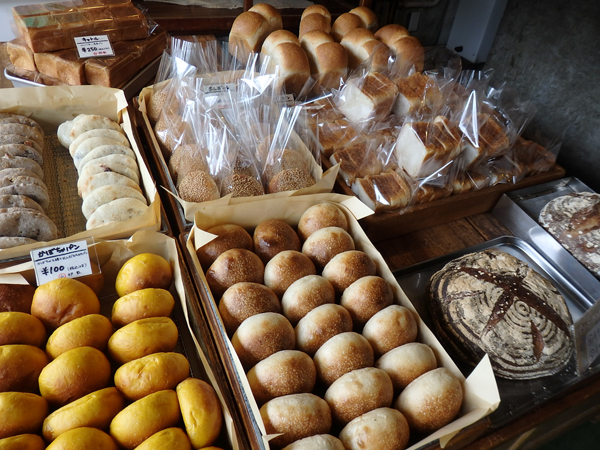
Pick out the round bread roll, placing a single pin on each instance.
(144, 270)
(84, 437)
(304, 295)
(390, 33)
(390, 328)
(314, 22)
(406, 363)
(294, 179)
(21, 328)
(358, 392)
(296, 416)
(343, 24)
(273, 236)
(234, 266)
(144, 417)
(21, 366)
(228, 236)
(285, 268)
(201, 411)
(20, 413)
(92, 330)
(367, 16)
(431, 401)
(328, 59)
(380, 429)
(16, 297)
(347, 267)
(74, 374)
(151, 373)
(321, 324)
(198, 186)
(320, 441)
(365, 297)
(283, 373)
(243, 300)
(261, 335)
(142, 304)
(96, 410)
(276, 38)
(61, 300)
(23, 442)
(143, 337)
(341, 354)
(168, 439)
(322, 245)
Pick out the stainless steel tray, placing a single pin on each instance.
(517, 396)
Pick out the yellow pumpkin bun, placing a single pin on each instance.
(149, 302)
(83, 438)
(20, 367)
(21, 328)
(168, 439)
(145, 270)
(21, 412)
(92, 330)
(23, 442)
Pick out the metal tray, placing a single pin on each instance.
(517, 396)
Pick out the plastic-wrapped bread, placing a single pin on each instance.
(367, 16)
(409, 52)
(328, 60)
(343, 24)
(20, 54)
(357, 160)
(360, 44)
(492, 141)
(335, 135)
(383, 192)
(417, 94)
(368, 97)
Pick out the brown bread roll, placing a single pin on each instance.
(321, 215)
(328, 59)
(294, 68)
(365, 297)
(228, 236)
(324, 244)
(304, 295)
(347, 267)
(358, 392)
(409, 51)
(341, 354)
(21, 328)
(21, 412)
(234, 266)
(243, 300)
(20, 367)
(390, 328)
(262, 335)
(23, 442)
(380, 429)
(316, 8)
(320, 324)
(431, 401)
(16, 297)
(367, 16)
(296, 416)
(390, 33)
(84, 437)
(273, 236)
(285, 268)
(93, 330)
(283, 373)
(406, 363)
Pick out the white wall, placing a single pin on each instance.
(6, 19)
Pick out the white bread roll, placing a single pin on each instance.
(313, 22)
(243, 300)
(371, 97)
(328, 60)
(276, 38)
(390, 328)
(367, 16)
(391, 33)
(270, 14)
(247, 34)
(285, 268)
(319, 216)
(347, 267)
(365, 297)
(343, 24)
(320, 441)
(406, 363)
(324, 244)
(321, 324)
(380, 429)
(304, 295)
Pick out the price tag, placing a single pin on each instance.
(592, 341)
(70, 260)
(94, 46)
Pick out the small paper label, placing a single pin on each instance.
(94, 46)
(70, 260)
(592, 340)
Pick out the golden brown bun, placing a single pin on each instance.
(228, 236)
(143, 337)
(270, 14)
(85, 437)
(145, 270)
(365, 297)
(144, 417)
(381, 429)
(276, 38)
(74, 374)
(347, 267)
(285, 268)
(320, 441)
(247, 34)
(367, 16)
(152, 373)
(390, 328)
(314, 22)
(20, 413)
(261, 335)
(343, 24)
(341, 354)
(431, 401)
(16, 297)
(93, 410)
(304, 295)
(324, 244)
(21, 366)
(234, 266)
(409, 51)
(93, 330)
(142, 304)
(319, 216)
(320, 324)
(201, 411)
(296, 416)
(168, 439)
(359, 392)
(406, 363)
(319, 9)
(283, 373)
(62, 300)
(391, 33)
(23, 442)
(243, 300)
(273, 236)
(21, 328)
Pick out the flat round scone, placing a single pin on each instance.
(22, 150)
(24, 130)
(95, 167)
(111, 160)
(103, 150)
(18, 118)
(19, 201)
(6, 174)
(87, 122)
(106, 194)
(118, 210)
(63, 133)
(18, 139)
(28, 223)
(574, 221)
(492, 302)
(87, 185)
(8, 161)
(99, 132)
(90, 144)
(29, 186)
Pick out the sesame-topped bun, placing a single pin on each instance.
(233, 266)
(290, 180)
(241, 185)
(324, 244)
(243, 300)
(285, 268)
(228, 236)
(321, 324)
(319, 216)
(273, 236)
(198, 186)
(304, 295)
(347, 267)
(365, 297)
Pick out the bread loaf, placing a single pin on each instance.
(343, 24)
(367, 17)
(293, 66)
(270, 14)
(278, 37)
(371, 97)
(248, 32)
(361, 45)
(409, 52)
(390, 33)
(328, 59)
(315, 21)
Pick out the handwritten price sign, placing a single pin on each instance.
(70, 260)
(94, 46)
